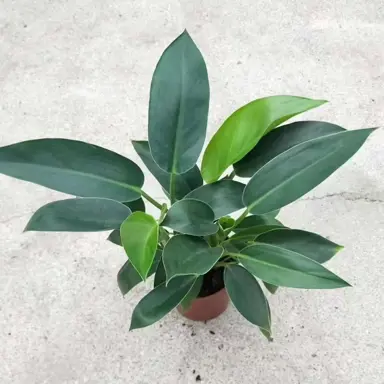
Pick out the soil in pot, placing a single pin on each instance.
(212, 300)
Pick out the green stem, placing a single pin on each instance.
(237, 222)
(164, 210)
(151, 200)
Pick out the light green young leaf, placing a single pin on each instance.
(245, 127)
(139, 235)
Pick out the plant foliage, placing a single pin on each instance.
(194, 233)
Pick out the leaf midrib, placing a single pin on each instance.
(89, 175)
(180, 117)
(289, 179)
(241, 255)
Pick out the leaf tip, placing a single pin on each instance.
(132, 327)
(339, 248)
(267, 333)
(28, 228)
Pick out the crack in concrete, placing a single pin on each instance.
(346, 196)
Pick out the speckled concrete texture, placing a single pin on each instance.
(82, 70)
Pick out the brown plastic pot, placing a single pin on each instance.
(207, 308)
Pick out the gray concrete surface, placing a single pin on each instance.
(82, 70)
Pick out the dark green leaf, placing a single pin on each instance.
(245, 127)
(79, 215)
(257, 221)
(271, 288)
(114, 237)
(273, 213)
(235, 246)
(252, 233)
(184, 183)
(139, 235)
(279, 141)
(306, 243)
(191, 217)
(247, 296)
(73, 167)
(192, 294)
(127, 277)
(189, 255)
(136, 205)
(298, 170)
(224, 196)
(178, 107)
(282, 267)
(160, 301)
(160, 276)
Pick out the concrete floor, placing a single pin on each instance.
(83, 71)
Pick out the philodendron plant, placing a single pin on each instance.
(194, 236)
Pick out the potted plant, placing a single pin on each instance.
(197, 253)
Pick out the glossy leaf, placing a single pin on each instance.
(189, 255)
(73, 167)
(256, 221)
(160, 276)
(184, 183)
(273, 214)
(271, 288)
(253, 232)
(79, 215)
(235, 246)
(114, 237)
(279, 141)
(224, 196)
(282, 267)
(245, 127)
(178, 106)
(298, 170)
(247, 296)
(160, 301)
(306, 243)
(192, 294)
(128, 278)
(136, 205)
(139, 235)
(191, 217)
